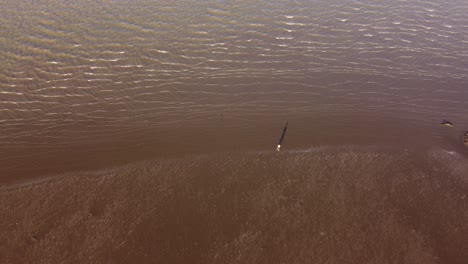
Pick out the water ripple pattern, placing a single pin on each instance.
(82, 72)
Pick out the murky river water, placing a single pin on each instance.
(88, 85)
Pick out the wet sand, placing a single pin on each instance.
(143, 131)
(322, 205)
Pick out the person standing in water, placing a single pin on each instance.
(282, 137)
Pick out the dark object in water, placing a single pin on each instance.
(465, 139)
(282, 137)
(446, 123)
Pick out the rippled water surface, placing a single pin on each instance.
(87, 84)
(158, 122)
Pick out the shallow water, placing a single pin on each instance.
(92, 84)
(144, 131)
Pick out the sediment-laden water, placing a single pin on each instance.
(144, 131)
(91, 84)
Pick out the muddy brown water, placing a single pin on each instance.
(95, 93)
